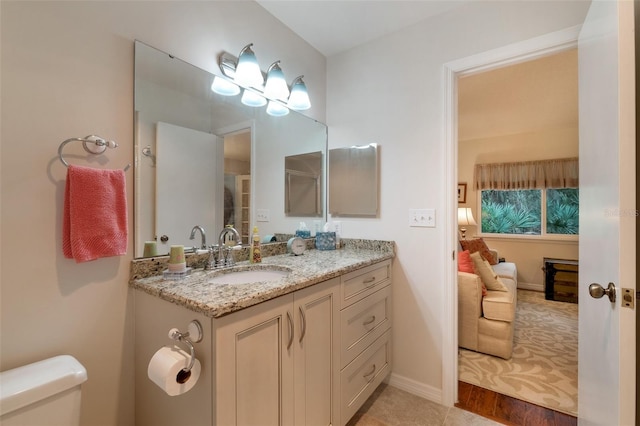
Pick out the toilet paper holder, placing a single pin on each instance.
(192, 335)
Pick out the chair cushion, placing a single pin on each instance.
(499, 305)
(506, 270)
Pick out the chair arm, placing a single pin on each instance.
(469, 294)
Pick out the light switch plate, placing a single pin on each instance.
(425, 218)
(262, 215)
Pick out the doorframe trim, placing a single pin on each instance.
(508, 55)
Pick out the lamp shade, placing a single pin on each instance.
(253, 99)
(277, 109)
(299, 98)
(465, 216)
(248, 73)
(224, 87)
(276, 86)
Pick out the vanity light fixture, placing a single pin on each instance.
(224, 87)
(276, 86)
(245, 75)
(248, 73)
(253, 99)
(299, 98)
(276, 109)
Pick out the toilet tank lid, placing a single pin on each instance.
(30, 383)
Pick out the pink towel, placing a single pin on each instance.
(95, 214)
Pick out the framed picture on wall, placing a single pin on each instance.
(462, 193)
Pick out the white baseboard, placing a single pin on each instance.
(531, 286)
(416, 388)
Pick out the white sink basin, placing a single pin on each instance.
(249, 276)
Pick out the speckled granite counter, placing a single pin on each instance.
(215, 300)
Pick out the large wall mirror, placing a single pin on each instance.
(206, 159)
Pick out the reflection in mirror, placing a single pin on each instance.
(303, 184)
(354, 181)
(206, 159)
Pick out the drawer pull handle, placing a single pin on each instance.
(373, 370)
(303, 321)
(369, 281)
(370, 320)
(290, 321)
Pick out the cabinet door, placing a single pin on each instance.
(316, 354)
(254, 365)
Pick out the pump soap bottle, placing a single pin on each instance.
(255, 256)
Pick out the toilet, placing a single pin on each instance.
(44, 393)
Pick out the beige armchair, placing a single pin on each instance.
(486, 324)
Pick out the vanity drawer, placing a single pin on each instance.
(359, 379)
(361, 283)
(363, 322)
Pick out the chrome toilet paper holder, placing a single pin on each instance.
(193, 335)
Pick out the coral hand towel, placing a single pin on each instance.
(95, 214)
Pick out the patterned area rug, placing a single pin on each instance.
(544, 367)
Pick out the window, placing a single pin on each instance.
(530, 211)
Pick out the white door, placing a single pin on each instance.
(606, 370)
(189, 185)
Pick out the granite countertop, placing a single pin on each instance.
(215, 300)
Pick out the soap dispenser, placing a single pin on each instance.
(254, 253)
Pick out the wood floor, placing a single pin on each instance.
(508, 410)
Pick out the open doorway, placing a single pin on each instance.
(520, 114)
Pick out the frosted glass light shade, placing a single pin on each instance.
(276, 86)
(253, 99)
(299, 98)
(277, 109)
(248, 72)
(224, 87)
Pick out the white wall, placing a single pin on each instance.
(67, 71)
(390, 91)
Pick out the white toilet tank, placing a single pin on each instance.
(43, 393)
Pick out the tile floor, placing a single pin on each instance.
(389, 406)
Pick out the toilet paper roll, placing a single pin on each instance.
(166, 370)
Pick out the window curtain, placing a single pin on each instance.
(558, 173)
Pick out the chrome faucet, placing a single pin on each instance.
(202, 234)
(225, 258)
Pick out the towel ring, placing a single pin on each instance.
(92, 144)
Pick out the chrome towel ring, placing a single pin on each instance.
(92, 144)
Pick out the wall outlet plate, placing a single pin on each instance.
(424, 218)
(262, 215)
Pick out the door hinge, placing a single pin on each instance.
(453, 255)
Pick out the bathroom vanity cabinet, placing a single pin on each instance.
(276, 361)
(310, 356)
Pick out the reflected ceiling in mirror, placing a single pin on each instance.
(181, 173)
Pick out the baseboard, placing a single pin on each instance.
(416, 388)
(531, 286)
